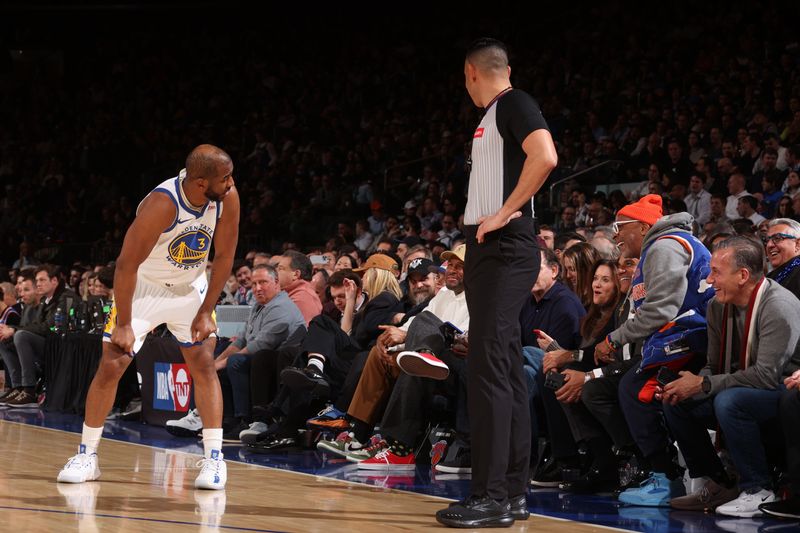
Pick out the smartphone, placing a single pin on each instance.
(318, 260)
(554, 380)
(449, 331)
(665, 375)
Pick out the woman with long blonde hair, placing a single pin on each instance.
(378, 280)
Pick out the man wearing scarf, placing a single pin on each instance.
(753, 344)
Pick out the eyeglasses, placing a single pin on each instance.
(615, 225)
(777, 238)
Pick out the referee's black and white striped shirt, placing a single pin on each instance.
(497, 155)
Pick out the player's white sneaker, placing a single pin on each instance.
(81, 467)
(213, 472)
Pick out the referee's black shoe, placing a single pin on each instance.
(519, 507)
(477, 512)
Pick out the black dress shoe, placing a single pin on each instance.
(271, 444)
(592, 482)
(476, 512)
(307, 379)
(549, 474)
(519, 507)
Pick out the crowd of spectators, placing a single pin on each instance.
(318, 133)
(361, 151)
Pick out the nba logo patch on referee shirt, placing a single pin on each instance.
(478, 133)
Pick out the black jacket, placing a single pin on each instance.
(377, 311)
(42, 317)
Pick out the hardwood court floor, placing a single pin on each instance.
(144, 488)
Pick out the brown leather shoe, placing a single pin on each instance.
(708, 498)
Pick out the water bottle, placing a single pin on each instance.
(59, 321)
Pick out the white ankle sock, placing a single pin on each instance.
(90, 438)
(317, 360)
(212, 440)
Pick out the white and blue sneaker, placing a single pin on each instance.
(655, 491)
(80, 468)
(213, 472)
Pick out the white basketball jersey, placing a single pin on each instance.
(179, 257)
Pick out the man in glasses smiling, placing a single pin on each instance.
(668, 290)
(783, 253)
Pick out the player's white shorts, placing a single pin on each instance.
(155, 304)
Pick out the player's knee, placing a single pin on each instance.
(203, 368)
(111, 369)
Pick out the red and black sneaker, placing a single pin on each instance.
(422, 364)
(388, 460)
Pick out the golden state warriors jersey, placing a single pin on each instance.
(179, 257)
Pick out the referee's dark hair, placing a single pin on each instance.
(487, 54)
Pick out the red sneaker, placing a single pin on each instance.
(422, 364)
(386, 460)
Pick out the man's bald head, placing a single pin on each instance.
(204, 161)
(488, 55)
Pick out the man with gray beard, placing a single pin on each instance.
(421, 282)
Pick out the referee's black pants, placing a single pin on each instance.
(498, 277)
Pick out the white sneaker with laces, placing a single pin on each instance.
(188, 426)
(80, 468)
(746, 505)
(344, 443)
(213, 472)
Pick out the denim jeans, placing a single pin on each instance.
(239, 375)
(532, 359)
(21, 357)
(740, 412)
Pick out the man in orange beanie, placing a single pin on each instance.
(669, 294)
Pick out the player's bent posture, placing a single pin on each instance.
(160, 279)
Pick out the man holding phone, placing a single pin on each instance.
(383, 382)
(668, 283)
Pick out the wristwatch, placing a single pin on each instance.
(706, 385)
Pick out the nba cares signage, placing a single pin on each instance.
(173, 386)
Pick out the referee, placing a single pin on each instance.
(512, 155)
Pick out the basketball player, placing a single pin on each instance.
(160, 279)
